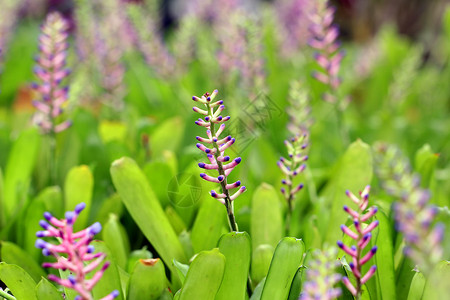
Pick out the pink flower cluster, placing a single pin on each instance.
(324, 40)
(51, 71)
(216, 154)
(362, 238)
(76, 250)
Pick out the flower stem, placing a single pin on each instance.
(7, 296)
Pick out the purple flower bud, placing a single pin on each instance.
(40, 244)
(47, 216)
(70, 215)
(95, 228)
(80, 207)
(44, 224)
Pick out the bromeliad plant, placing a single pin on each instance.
(216, 155)
(362, 237)
(74, 253)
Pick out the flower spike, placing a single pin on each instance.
(216, 154)
(362, 236)
(73, 253)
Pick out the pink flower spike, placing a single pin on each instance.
(349, 285)
(346, 249)
(239, 192)
(369, 274)
(349, 232)
(226, 145)
(233, 185)
(208, 166)
(365, 240)
(297, 189)
(369, 255)
(200, 111)
(204, 149)
(212, 179)
(351, 212)
(114, 294)
(369, 214)
(203, 140)
(352, 196)
(370, 227)
(214, 194)
(232, 164)
(321, 77)
(220, 130)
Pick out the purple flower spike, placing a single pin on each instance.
(291, 168)
(321, 276)
(73, 253)
(324, 40)
(216, 154)
(361, 234)
(51, 70)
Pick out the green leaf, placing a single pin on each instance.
(18, 281)
(296, 286)
(111, 205)
(167, 136)
(425, 164)
(136, 255)
(266, 225)
(204, 276)
(14, 255)
(404, 275)
(417, 287)
(437, 284)
(353, 172)
(159, 174)
(110, 280)
(116, 241)
(261, 258)
(78, 188)
(175, 220)
(148, 280)
(146, 210)
(208, 225)
(182, 270)
(46, 291)
(258, 290)
(19, 168)
(384, 259)
(236, 247)
(286, 260)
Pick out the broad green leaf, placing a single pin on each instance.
(45, 291)
(111, 205)
(286, 260)
(146, 210)
(417, 287)
(18, 170)
(49, 199)
(437, 284)
(185, 239)
(236, 247)
(425, 163)
(148, 280)
(112, 131)
(14, 255)
(208, 224)
(137, 255)
(159, 174)
(353, 172)
(124, 278)
(258, 290)
(261, 258)
(18, 281)
(404, 275)
(175, 220)
(384, 258)
(167, 136)
(78, 188)
(110, 280)
(182, 270)
(204, 276)
(296, 286)
(115, 240)
(266, 225)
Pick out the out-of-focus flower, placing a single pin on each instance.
(51, 71)
(299, 111)
(324, 40)
(362, 238)
(321, 276)
(413, 214)
(291, 167)
(216, 154)
(73, 253)
(293, 16)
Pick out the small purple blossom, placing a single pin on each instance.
(362, 238)
(324, 40)
(51, 71)
(73, 253)
(216, 154)
(321, 276)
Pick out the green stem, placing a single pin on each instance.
(7, 296)
(228, 203)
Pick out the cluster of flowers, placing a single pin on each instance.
(73, 252)
(216, 154)
(413, 214)
(362, 238)
(51, 71)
